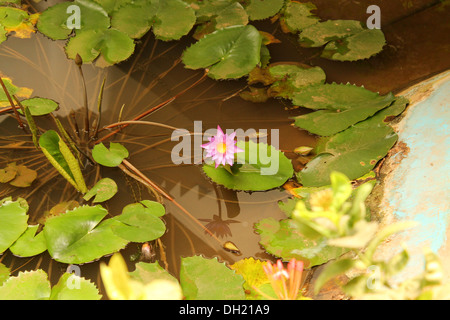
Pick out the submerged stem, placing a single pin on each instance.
(12, 104)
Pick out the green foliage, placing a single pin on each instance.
(15, 20)
(103, 190)
(112, 157)
(74, 236)
(39, 106)
(354, 151)
(140, 223)
(297, 16)
(228, 53)
(260, 167)
(60, 156)
(34, 285)
(209, 279)
(263, 9)
(13, 221)
(29, 244)
(284, 239)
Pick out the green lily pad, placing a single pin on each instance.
(39, 106)
(139, 224)
(79, 236)
(28, 285)
(112, 157)
(359, 46)
(103, 190)
(229, 53)
(263, 9)
(174, 19)
(12, 17)
(29, 244)
(147, 272)
(321, 33)
(53, 21)
(255, 173)
(134, 18)
(283, 239)
(298, 16)
(3, 33)
(113, 45)
(13, 221)
(209, 279)
(73, 287)
(329, 122)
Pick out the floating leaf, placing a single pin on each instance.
(139, 224)
(28, 285)
(73, 287)
(113, 45)
(112, 157)
(297, 16)
(229, 53)
(209, 279)
(335, 97)
(359, 46)
(103, 190)
(134, 18)
(13, 221)
(148, 272)
(174, 19)
(59, 155)
(3, 33)
(8, 173)
(53, 21)
(260, 167)
(79, 236)
(253, 273)
(263, 9)
(321, 33)
(283, 239)
(290, 78)
(39, 106)
(24, 177)
(329, 122)
(354, 152)
(29, 244)
(4, 273)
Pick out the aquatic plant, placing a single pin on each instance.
(221, 148)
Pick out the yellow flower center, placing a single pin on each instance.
(222, 147)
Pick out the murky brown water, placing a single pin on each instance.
(150, 77)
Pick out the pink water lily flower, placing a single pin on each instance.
(221, 148)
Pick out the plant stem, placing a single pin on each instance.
(12, 104)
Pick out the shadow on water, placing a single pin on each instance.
(153, 75)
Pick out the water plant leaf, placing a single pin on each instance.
(53, 21)
(174, 19)
(8, 173)
(24, 177)
(335, 97)
(297, 16)
(319, 34)
(329, 122)
(263, 9)
(354, 152)
(262, 168)
(3, 33)
(134, 18)
(29, 244)
(4, 273)
(209, 279)
(12, 17)
(79, 236)
(253, 273)
(139, 224)
(39, 106)
(359, 46)
(112, 157)
(113, 45)
(283, 239)
(103, 190)
(228, 53)
(59, 155)
(13, 90)
(73, 287)
(148, 272)
(290, 78)
(28, 285)
(13, 221)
